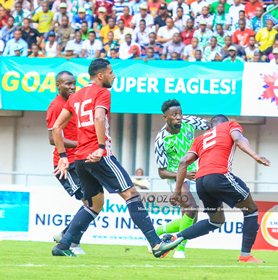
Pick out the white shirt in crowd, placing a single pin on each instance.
(75, 46)
(91, 48)
(51, 51)
(136, 20)
(196, 7)
(174, 5)
(167, 33)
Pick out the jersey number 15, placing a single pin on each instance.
(83, 113)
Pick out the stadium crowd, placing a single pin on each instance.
(191, 30)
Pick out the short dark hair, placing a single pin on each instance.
(168, 104)
(97, 65)
(218, 119)
(60, 74)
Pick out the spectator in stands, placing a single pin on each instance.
(126, 17)
(7, 32)
(257, 57)
(235, 25)
(139, 181)
(198, 56)
(266, 36)
(141, 34)
(173, 5)
(7, 4)
(220, 17)
(174, 56)
(30, 35)
(267, 55)
(17, 51)
(234, 10)
(189, 50)
(232, 55)
(250, 8)
(111, 26)
(187, 33)
(250, 49)
(274, 13)
(153, 7)
(64, 32)
(197, 6)
(68, 53)
(101, 19)
(241, 36)
(19, 14)
(135, 6)
(212, 51)
(16, 44)
(175, 45)
(256, 21)
(203, 34)
(2, 46)
(214, 7)
(91, 47)
(109, 45)
(142, 15)
(70, 5)
(57, 19)
(220, 35)
(150, 54)
(180, 19)
(228, 43)
(119, 6)
(160, 20)
(3, 17)
(125, 51)
(107, 4)
(50, 47)
(135, 51)
(166, 33)
(157, 47)
(36, 51)
(274, 62)
(204, 17)
(84, 30)
(120, 33)
(75, 44)
(79, 18)
(43, 18)
(114, 54)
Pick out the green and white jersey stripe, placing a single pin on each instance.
(170, 148)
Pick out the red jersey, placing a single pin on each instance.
(82, 105)
(215, 149)
(69, 132)
(250, 9)
(242, 37)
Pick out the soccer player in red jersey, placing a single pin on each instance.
(95, 164)
(216, 184)
(66, 85)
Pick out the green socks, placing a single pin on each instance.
(171, 227)
(185, 222)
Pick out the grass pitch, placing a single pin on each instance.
(33, 260)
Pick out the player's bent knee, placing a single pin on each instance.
(129, 193)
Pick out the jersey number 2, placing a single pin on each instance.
(209, 139)
(82, 112)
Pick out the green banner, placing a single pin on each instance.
(139, 87)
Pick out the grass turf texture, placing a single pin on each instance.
(33, 260)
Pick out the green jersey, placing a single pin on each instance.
(170, 148)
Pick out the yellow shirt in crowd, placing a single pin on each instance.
(7, 4)
(265, 38)
(44, 20)
(105, 30)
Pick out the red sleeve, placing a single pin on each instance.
(194, 147)
(234, 37)
(51, 116)
(67, 106)
(103, 100)
(235, 126)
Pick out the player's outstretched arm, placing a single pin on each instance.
(243, 143)
(196, 122)
(181, 175)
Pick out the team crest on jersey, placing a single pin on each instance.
(189, 135)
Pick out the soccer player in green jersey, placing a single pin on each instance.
(171, 144)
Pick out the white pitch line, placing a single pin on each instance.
(142, 266)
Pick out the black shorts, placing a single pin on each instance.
(106, 173)
(213, 189)
(72, 184)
